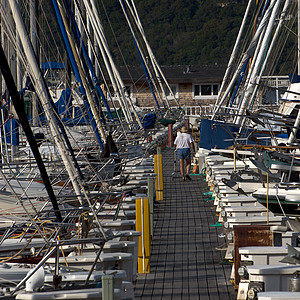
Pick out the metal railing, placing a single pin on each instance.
(198, 111)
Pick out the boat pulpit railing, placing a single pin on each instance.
(55, 249)
(290, 185)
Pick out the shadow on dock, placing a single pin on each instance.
(184, 262)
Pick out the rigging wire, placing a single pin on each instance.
(22, 56)
(100, 69)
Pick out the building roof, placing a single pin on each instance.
(177, 74)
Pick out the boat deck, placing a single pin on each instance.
(184, 262)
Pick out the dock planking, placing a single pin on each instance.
(184, 263)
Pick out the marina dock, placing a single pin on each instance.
(184, 262)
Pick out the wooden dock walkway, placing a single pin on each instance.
(184, 263)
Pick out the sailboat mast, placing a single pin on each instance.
(147, 72)
(74, 59)
(259, 56)
(298, 37)
(41, 88)
(297, 122)
(282, 19)
(19, 107)
(232, 58)
(158, 72)
(101, 41)
(88, 67)
(33, 38)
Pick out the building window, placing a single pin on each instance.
(169, 94)
(205, 90)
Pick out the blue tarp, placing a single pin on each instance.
(294, 78)
(12, 132)
(64, 103)
(283, 136)
(214, 134)
(149, 120)
(65, 110)
(52, 65)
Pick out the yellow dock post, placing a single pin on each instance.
(143, 225)
(159, 186)
(150, 195)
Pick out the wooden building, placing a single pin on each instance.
(191, 85)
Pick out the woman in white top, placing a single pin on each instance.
(184, 143)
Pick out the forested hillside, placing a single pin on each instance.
(179, 31)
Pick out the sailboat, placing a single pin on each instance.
(239, 117)
(55, 194)
(239, 120)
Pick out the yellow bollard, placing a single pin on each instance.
(150, 195)
(143, 225)
(159, 186)
(234, 159)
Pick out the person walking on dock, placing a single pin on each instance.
(184, 143)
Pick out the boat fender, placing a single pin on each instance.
(36, 281)
(279, 228)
